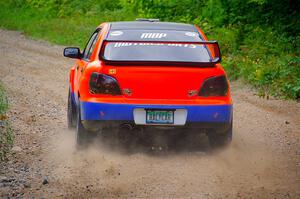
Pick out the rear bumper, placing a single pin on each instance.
(195, 127)
(125, 112)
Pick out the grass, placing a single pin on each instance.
(72, 31)
(59, 31)
(6, 134)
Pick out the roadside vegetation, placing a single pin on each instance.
(259, 38)
(6, 135)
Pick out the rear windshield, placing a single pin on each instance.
(168, 52)
(156, 46)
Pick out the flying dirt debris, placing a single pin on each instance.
(263, 160)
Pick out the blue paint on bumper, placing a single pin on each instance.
(124, 112)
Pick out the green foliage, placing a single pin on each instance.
(3, 101)
(63, 22)
(6, 135)
(271, 63)
(214, 10)
(259, 39)
(166, 10)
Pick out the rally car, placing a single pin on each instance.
(149, 74)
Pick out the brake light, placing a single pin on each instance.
(104, 84)
(214, 86)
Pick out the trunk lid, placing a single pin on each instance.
(161, 82)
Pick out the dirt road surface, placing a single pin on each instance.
(263, 160)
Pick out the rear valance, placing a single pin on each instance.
(137, 52)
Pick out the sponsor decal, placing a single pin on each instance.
(127, 91)
(116, 33)
(112, 71)
(153, 35)
(191, 34)
(192, 93)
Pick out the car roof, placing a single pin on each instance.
(151, 25)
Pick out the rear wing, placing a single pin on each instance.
(212, 48)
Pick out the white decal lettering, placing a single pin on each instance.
(153, 35)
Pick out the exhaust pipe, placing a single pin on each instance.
(127, 126)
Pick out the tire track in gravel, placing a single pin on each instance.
(262, 162)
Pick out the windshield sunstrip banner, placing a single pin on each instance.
(153, 35)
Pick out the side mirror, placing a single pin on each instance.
(72, 52)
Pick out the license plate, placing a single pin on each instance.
(159, 117)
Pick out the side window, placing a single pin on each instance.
(90, 46)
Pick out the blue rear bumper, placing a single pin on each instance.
(124, 112)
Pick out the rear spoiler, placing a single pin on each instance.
(212, 46)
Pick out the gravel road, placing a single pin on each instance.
(263, 160)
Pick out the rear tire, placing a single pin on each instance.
(83, 136)
(71, 113)
(220, 139)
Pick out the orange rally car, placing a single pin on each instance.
(148, 74)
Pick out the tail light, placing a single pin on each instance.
(104, 84)
(214, 86)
